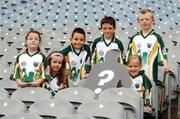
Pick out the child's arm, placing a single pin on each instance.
(164, 54)
(36, 83)
(166, 68)
(93, 54)
(21, 84)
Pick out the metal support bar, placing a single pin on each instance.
(178, 87)
(156, 101)
(169, 97)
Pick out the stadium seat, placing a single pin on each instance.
(30, 95)
(22, 116)
(51, 108)
(10, 106)
(77, 116)
(3, 94)
(130, 99)
(102, 110)
(8, 85)
(76, 96)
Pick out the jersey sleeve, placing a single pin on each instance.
(42, 71)
(129, 49)
(122, 55)
(16, 71)
(93, 52)
(162, 54)
(87, 64)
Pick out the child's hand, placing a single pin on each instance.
(83, 74)
(166, 68)
(33, 84)
(147, 109)
(28, 84)
(23, 84)
(20, 83)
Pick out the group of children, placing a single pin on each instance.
(62, 69)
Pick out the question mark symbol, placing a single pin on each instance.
(105, 80)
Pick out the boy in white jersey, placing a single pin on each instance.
(148, 45)
(106, 42)
(30, 66)
(77, 55)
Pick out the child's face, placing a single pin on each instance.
(33, 41)
(56, 63)
(134, 68)
(108, 30)
(145, 21)
(77, 40)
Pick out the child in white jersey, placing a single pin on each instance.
(30, 66)
(57, 68)
(140, 81)
(149, 46)
(106, 42)
(77, 55)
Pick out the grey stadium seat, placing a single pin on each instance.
(30, 95)
(10, 106)
(76, 95)
(3, 94)
(51, 108)
(77, 116)
(131, 100)
(22, 116)
(102, 109)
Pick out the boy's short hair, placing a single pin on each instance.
(144, 11)
(78, 30)
(108, 19)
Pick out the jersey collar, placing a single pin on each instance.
(38, 51)
(107, 44)
(140, 73)
(150, 33)
(73, 50)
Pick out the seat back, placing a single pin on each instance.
(75, 95)
(11, 106)
(51, 108)
(22, 116)
(3, 94)
(77, 116)
(30, 95)
(130, 99)
(102, 109)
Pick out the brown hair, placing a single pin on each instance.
(78, 30)
(134, 57)
(108, 19)
(62, 71)
(33, 32)
(144, 11)
(36, 32)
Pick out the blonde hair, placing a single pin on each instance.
(144, 11)
(134, 58)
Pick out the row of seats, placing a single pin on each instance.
(34, 116)
(52, 10)
(76, 100)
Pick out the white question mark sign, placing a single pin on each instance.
(105, 80)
